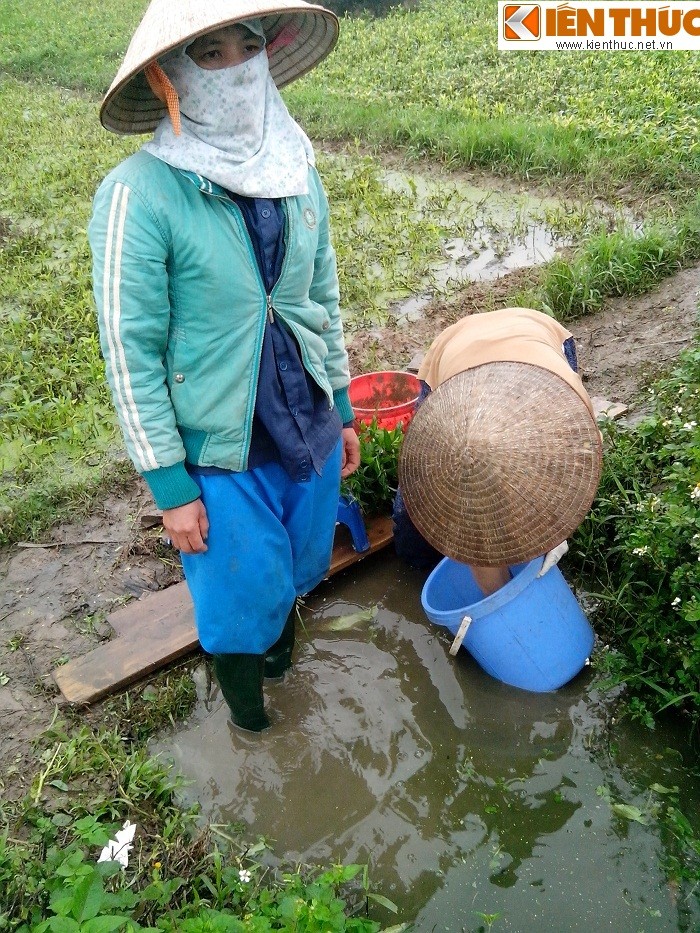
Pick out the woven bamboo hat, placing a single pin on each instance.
(500, 464)
(298, 36)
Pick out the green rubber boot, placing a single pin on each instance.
(278, 658)
(240, 678)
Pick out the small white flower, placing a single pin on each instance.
(639, 507)
(117, 850)
(244, 875)
(667, 423)
(676, 602)
(678, 410)
(695, 494)
(641, 551)
(689, 425)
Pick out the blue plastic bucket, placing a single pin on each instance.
(531, 633)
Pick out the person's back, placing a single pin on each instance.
(517, 335)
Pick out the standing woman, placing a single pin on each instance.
(217, 294)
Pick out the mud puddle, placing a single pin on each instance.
(466, 797)
(490, 232)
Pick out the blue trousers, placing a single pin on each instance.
(270, 540)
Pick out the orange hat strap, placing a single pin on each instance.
(162, 87)
(282, 39)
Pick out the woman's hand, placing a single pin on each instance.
(351, 452)
(187, 527)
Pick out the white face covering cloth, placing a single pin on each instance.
(236, 129)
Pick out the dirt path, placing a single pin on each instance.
(53, 599)
(625, 346)
(621, 348)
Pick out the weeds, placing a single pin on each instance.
(461, 101)
(681, 846)
(387, 240)
(141, 714)
(375, 482)
(644, 529)
(613, 263)
(432, 81)
(179, 876)
(29, 510)
(609, 265)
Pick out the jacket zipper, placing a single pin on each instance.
(270, 308)
(306, 363)
(285, 261)
(238, 216)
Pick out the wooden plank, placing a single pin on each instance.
(162, 604)
(150, 608)
(127, 658)
(158, 629)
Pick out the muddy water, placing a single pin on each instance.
(503, 231)
(493, 233)
(465, 796)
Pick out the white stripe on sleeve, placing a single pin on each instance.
(111, 300)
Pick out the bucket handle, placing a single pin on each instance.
(461, 635)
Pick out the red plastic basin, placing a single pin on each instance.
(388, 396)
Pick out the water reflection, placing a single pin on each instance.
(463, 794)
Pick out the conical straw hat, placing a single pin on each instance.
(298, 35)
(500, 464)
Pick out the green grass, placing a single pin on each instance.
(74, 45)
(432, 80)
(183, 876)
(57, 421)
(615, 263)
(641, 544)
(56, 417)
